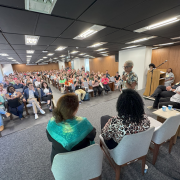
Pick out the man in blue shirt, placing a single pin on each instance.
(18, 85)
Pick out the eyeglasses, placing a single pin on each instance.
(125, 67)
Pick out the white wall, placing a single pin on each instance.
(61, 64)
(7, 69)
(141, 58)
(1, 73)
(78, 63)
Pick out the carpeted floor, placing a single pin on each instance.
(25, 154)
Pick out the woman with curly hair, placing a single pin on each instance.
(65, 130)
(131, 119)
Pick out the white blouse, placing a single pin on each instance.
(46, 90)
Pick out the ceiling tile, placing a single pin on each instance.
(13, 3)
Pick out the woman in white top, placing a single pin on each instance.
(46, 95)
(169, 77)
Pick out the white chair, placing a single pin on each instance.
(83, 164)
(131, 148)
(167, 131)
(19, 90)
(86, 86)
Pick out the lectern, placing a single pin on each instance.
(158, 78)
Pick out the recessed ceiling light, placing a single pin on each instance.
(30, 51)
(162, 23)
(92, 30)
(13, 60)
(50, 54)
(97, 44)
(142, 39)
(130, 47)
(175, 38)
(60, 48)
(103, 52)
(40, 6)
(87, 55)
(101, 49)
(31, 40)
(55, 58)
(74, 52)
(155, 48)
(62, 56)
(165, 44)
(2, 54)
(44, 57)
(10, 58)
(44, 51)
(82, 54)
(29, 56)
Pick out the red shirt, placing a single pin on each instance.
(104, 80)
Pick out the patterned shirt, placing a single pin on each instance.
(116, 130)
(130, 78)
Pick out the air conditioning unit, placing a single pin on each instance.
(41, 6)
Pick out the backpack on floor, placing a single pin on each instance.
(86, 97)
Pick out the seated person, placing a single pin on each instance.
(7, 84)
(96, 86)
(18, 85)
(65, 130)
(118, 81)
(2, 91)
(28, 79)
(163, 92)
(25, 87)
(174, 100)
(2, 112)
(169, 77)
(37, 83)
(131, 119)
(68, 83)
(107, 74)
(91, 78)
(62, 80)
(152, 66)
(30, 96)
(14, 103)
(78, 89)
(46, 95)
(105, 82)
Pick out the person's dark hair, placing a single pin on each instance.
(9, 88)
(65, 108)
(170, 69)
(153, 65)
(43, 85)
(130, 107)
(77, 76)
(29, 83)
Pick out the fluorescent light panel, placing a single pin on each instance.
(103, 52)
(30, 51)
(130, 47)
(62, 56)
(31, 40)
(55, 58)
(101, 49)
(165, 44)
(74, 52)
(175, 38)
(44, 57)
(2, 54)
(60, 48)
(50, 54)
(29, 56)
(97, 44)
(10, 58)
(44, 51)
(160, 24)
(92, 30)
(82, 54)
(142, 39)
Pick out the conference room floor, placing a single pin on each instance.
(25, 150)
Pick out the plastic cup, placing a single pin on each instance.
(170, 107)
(164, 108)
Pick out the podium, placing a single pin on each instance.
(158, 78)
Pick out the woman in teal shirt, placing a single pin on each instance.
(65, 130)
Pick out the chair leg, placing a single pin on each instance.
(26, 109)
(143, 164)
(155, 153)
(118, 171)
(171, 143)
(11, 117)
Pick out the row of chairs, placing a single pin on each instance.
(130, 149)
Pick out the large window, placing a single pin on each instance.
(86, 62)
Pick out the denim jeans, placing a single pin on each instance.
(1, 112)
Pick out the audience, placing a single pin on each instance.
(169, 77)
(131, 119)
(30, 96)
(130, 79)
(96, 86)
(18, 85)
(65, 130)
(105, 82)
(7, 84)
(14, 102)
(46, 95)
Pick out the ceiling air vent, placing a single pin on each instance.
(41, 6)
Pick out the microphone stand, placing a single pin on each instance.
(152, 74)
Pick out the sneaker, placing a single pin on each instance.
(42, 112)
(79, 102)
(1, 128)
(36, 116)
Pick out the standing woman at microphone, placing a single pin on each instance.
(130, 79)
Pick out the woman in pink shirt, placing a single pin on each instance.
(105, 82)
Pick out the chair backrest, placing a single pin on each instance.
(167, 130)
(112, 79)
(86, 84)
(19, 90)
(83, 164)
(132, 147)
(73, 87)
(90, 83)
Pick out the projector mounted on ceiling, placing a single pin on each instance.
(41, 6)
